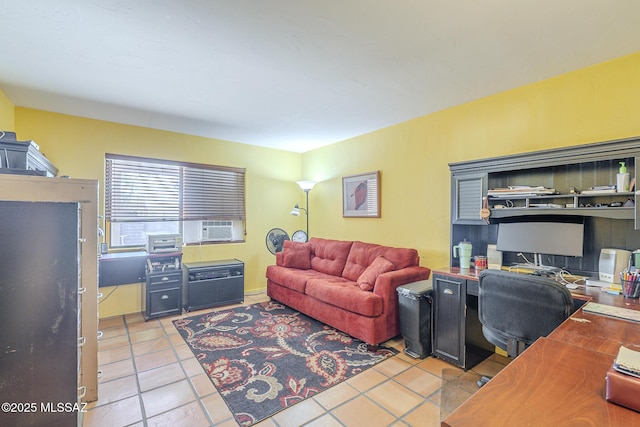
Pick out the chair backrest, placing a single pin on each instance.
(516, 309)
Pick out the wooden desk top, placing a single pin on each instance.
(560, 379)
(599, 333)
(549, 387)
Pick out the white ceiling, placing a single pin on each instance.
(293, 74)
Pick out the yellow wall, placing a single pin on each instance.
(76, 146)
(594, 104)
(7, 113)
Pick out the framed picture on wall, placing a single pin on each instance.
(361, 195)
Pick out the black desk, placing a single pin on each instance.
(457, 332)
(123, 268)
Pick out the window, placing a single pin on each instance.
(204, 203)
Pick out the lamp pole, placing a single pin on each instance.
(306, 186)
(306, 192)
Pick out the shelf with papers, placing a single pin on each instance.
(593, 204)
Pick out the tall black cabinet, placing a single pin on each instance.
(48, 287)
(39, 299)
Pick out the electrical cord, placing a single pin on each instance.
(108, 295)
(561, 276)
(569, 280)
(524, 257)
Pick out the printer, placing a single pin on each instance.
(158, 243)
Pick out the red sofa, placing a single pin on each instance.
(349, 285)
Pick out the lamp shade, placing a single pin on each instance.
(306, 185)
(295, 211)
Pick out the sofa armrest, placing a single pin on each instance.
(387, 283)
(280, 258)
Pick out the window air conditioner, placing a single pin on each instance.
(216, 231)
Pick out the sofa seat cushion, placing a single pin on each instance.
(346, 295)
(292, 278)
(363, 254)
(329, 256)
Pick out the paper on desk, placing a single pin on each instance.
(627, 361)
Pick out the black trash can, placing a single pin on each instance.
(415, 317)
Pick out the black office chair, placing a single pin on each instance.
(516, 309)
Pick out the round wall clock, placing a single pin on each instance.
(299, 236)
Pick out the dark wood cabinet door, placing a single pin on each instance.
(448, 319)
(39, 278)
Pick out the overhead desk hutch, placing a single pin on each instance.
(457, 334)
(579, 167)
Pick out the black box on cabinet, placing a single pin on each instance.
(24, 157)
(212, 283)
(7, 136)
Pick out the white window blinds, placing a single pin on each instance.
(141, 189)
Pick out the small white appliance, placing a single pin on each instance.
(161, 243)
(611, 263)
(494, 258)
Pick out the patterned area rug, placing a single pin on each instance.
(266, 357)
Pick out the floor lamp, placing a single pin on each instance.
(306, 186)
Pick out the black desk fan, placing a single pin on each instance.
(275, 240)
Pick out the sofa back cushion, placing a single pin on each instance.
(362, 255)
(329, 256)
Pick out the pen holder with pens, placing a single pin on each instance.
(630, 284)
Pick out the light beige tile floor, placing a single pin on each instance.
(149, 377)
